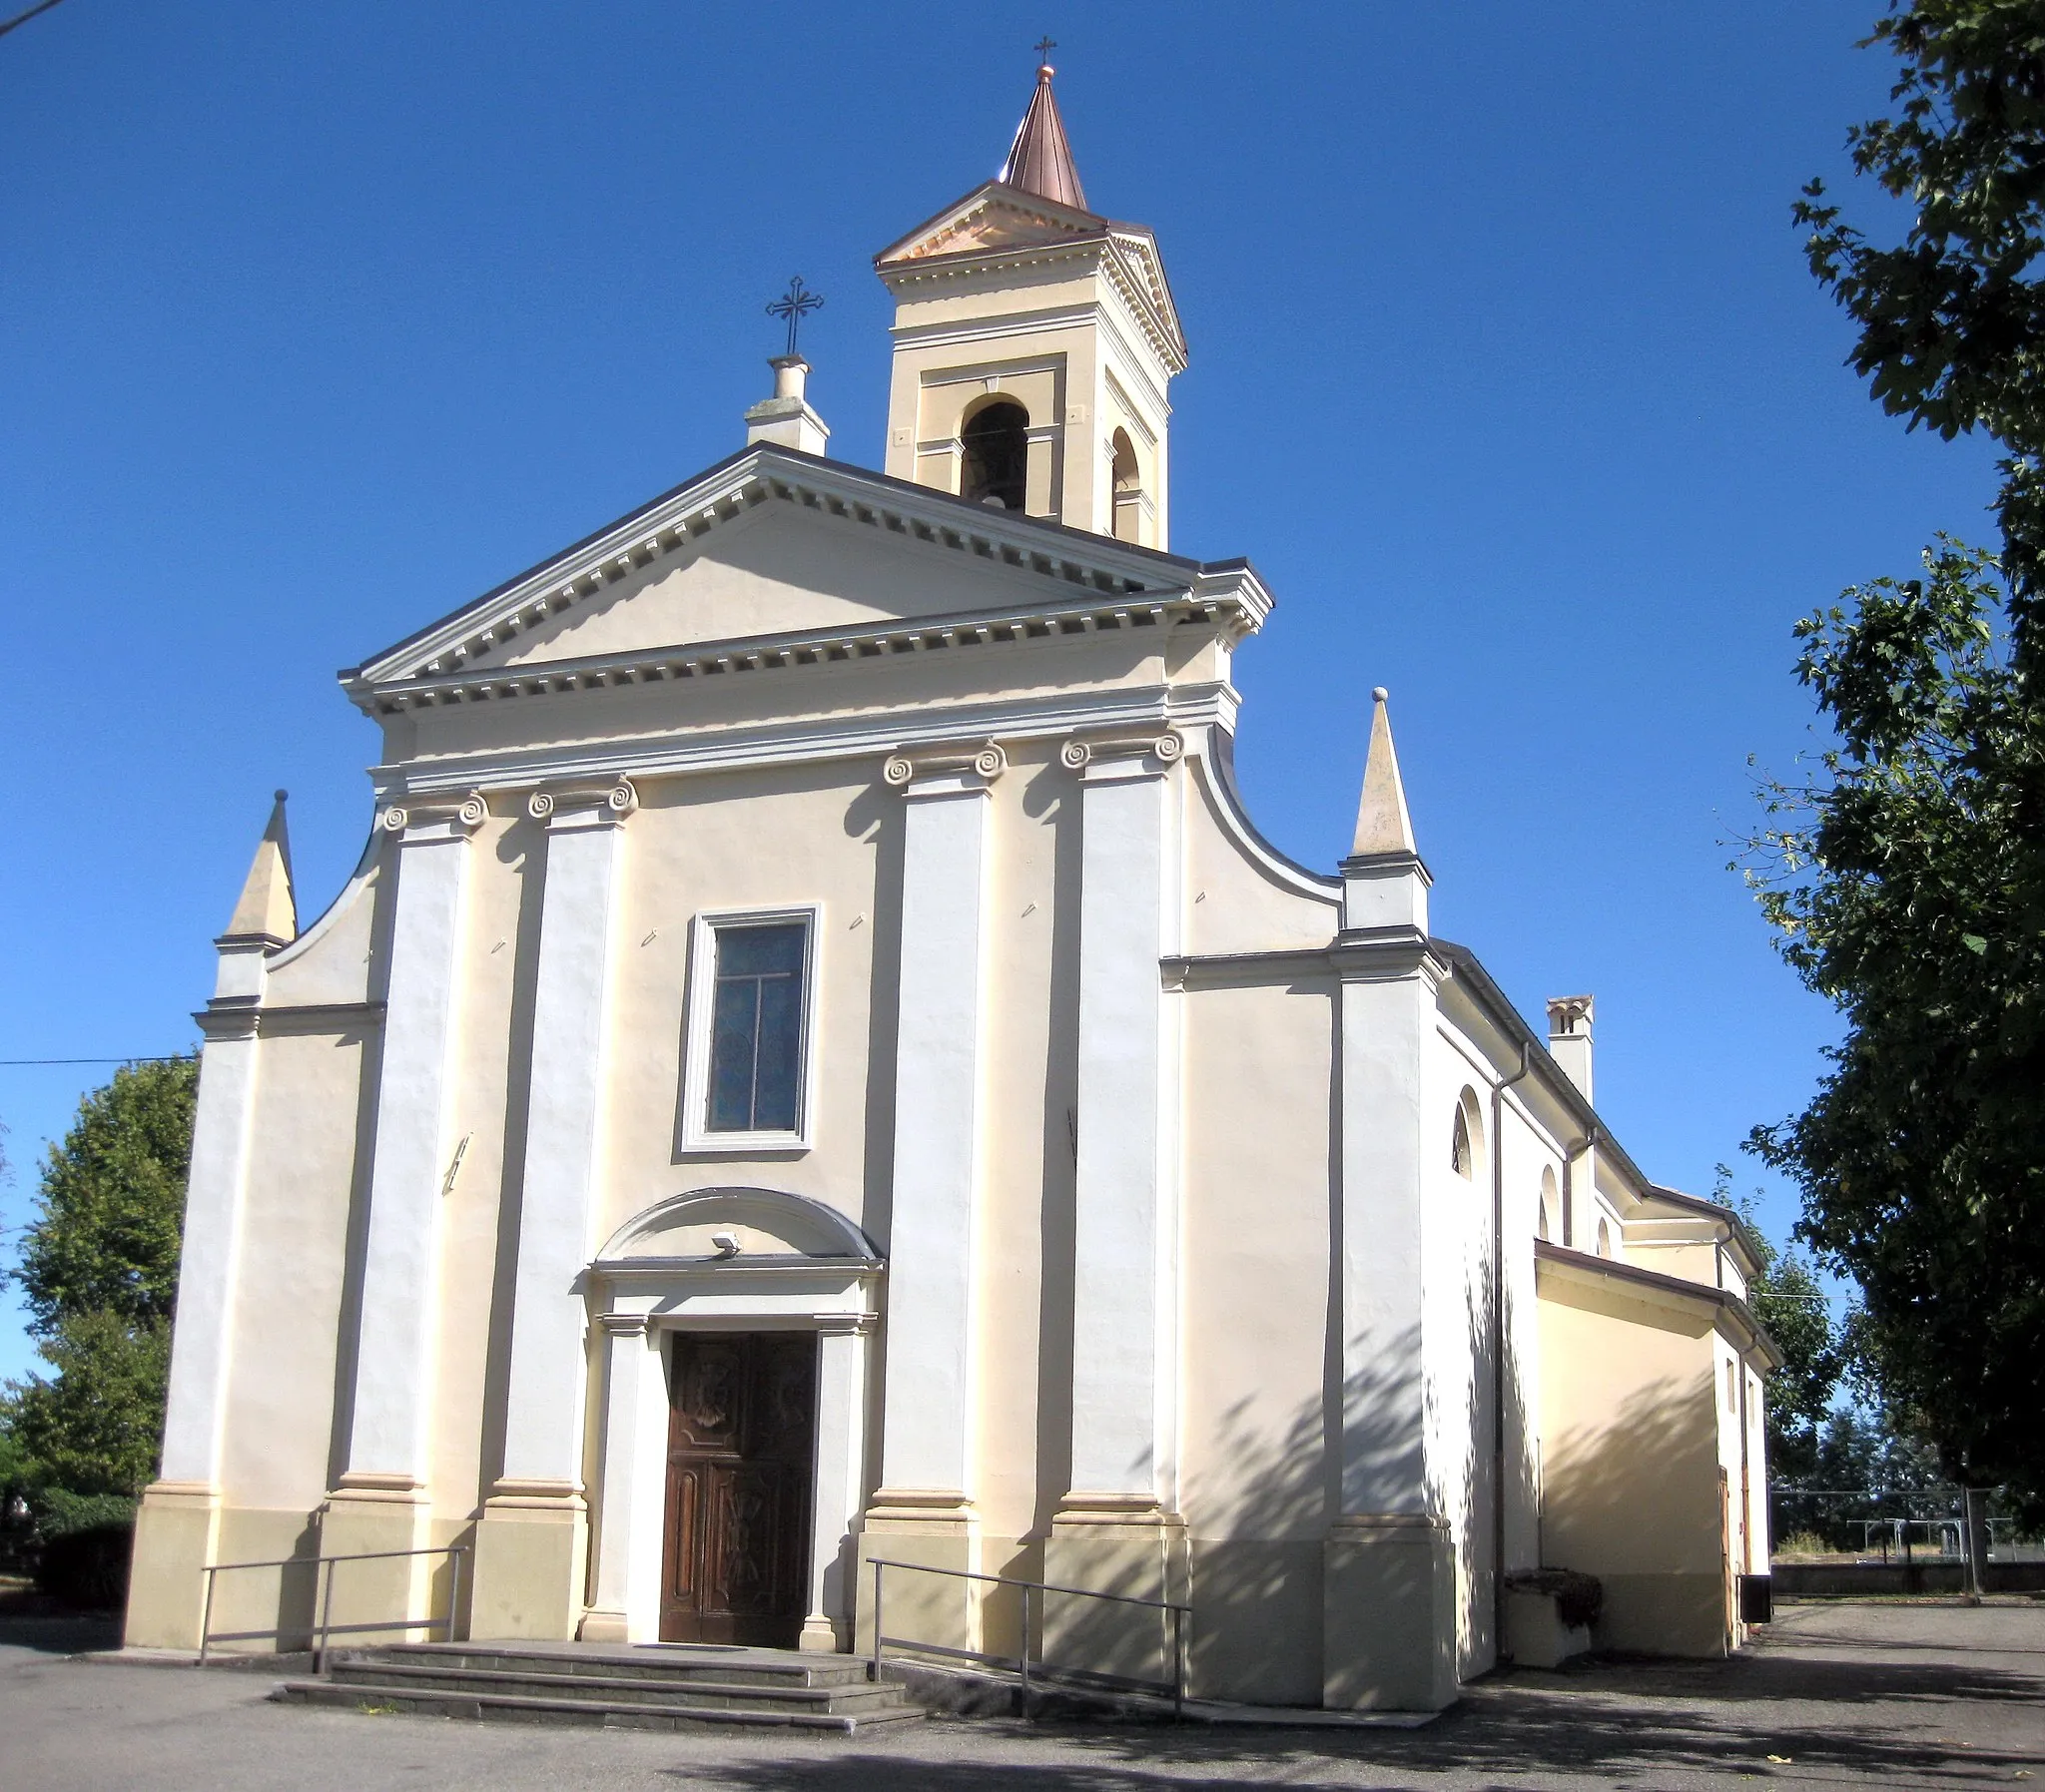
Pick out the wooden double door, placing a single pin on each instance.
(741, 1441)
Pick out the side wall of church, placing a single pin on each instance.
(1633, 1489)
(1260, 1192)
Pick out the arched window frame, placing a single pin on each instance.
(1125, 478)
(1466, 1137)
(1010, 477)
(1544, 1205)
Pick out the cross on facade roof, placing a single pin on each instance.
(795, 304)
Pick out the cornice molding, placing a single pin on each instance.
(1235, 608)
(1356, 957)
(814, 740)
(239, 1021)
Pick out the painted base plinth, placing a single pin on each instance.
(1536, 1636)
(1388, 1617)
(935, 1609)
(1141, 1556)
(175, 1533)
(395, 1598)
(1668, 1614)
(528, 1575)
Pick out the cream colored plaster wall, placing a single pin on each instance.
(764, 839)
(331, 960)
(1528, 1150)
(1259, 1068)
(280, 1438)
(1693, 1262)
(1234, 903)
(1632, 1458)
(1456, 1227)
(778, 569)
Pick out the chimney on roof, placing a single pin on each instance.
(785, 419)
(1568, 1038)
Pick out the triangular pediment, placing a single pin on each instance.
(771, 546)
(991, 219)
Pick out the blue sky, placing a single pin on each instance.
(1506, 371)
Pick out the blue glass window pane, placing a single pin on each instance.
(778, 1058)
(760, 951)
(732, 1033)
(756, 1034)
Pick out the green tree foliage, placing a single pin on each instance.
(1952, 317)
(99, 1274)
(1907, 880)
(1789, 1301)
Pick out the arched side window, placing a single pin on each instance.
(1467, 1138)
(1544, 1212)
(1603, 1237)
(995, 470)
(1129, 489)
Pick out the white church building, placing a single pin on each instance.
(816, 1064)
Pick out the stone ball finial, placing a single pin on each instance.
(281, 794)
(1378, 693)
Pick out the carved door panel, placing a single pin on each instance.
(740, 1438)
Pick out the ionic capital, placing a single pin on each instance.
(601, 802)
(434, 816)
(1123, 753)
(947, 763)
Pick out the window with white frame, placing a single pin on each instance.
(751, 1025)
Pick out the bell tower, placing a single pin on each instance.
(1035, 341)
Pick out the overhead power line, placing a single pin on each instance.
(137, 1058)
(23, 18)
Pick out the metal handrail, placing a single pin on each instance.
(323, 1603)
(1179, 1614)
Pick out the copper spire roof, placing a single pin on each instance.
(1040, 159)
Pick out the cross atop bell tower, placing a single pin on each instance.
(1034, 341)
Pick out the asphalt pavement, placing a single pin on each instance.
(1920, 1694)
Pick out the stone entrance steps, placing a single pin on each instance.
(658, 1686)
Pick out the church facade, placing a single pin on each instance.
(816, 1065)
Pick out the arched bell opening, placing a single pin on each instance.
(1129, 489)
(995, 468)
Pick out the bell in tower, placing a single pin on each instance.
(1035, 341)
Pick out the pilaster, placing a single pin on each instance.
(923, 1508)
(381, 1501)
(532, 1544)
(625, 1601)
(1124, 1345)
(1119, 1528)
(1389, 1622)
(178, 1528)
(839, 1480)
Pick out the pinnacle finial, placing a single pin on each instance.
(1044, 46)
(1382, 823)
(268, 908)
